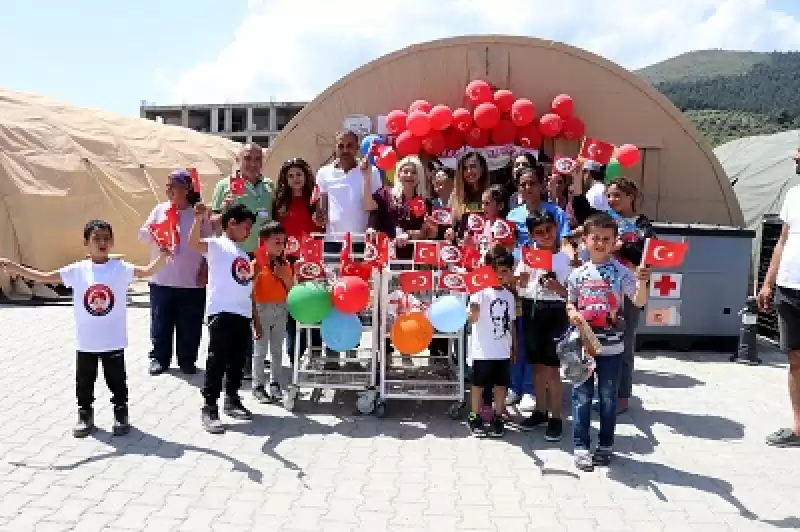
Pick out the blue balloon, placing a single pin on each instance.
(366, 143)
(341, 332)
(448, 314)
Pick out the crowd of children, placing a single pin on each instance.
(515, 324)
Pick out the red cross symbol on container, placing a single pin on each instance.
(665, 285)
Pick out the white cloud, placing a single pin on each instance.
(294, 49)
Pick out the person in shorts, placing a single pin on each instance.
(782, 283)
(492, 312)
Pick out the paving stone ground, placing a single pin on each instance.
(691, 455)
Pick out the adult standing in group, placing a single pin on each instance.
(177, 291)
(783, 282)
(594, 177)
(472, 179)
(256, 194)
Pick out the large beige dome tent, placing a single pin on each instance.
(62, 165)
(678, 175)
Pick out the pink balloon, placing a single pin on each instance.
(504, 99)
(478, 92)
(523, 112)
(628, 155)
(418, 123)
(563, 105)
(441, 117)
(419, 105)
(396, 122)
(550, 125)
(486, 115)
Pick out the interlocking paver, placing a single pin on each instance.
(691, 455)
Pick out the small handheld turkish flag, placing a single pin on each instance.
(442, 216)
(538, 259)
(356, 269)
(195, 179)
(411, 282)
(417, 207)
(664, 253)
(311, 250)
(425, 253)
(480, 278)
(347, 245)
(164, 235)
(315, 195)
(261, 256)
(470, 257)
(236, 185)
(597, 151)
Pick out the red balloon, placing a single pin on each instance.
(550, 125)
(407, 144)
(478, 92)
(504, 99)
(441, 117)
(563, 105)
(504, 132)
(487, 115)
(396, 122)
(462, 120)
(420, 105)
(350, 294)
(573, 128)
(627, 155)
(523, 112)
(386, 158)
(433, 143)
(418, 123)
(477, 137)
(529, 136)
(453, 139)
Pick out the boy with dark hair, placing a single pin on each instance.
(229, 309)
(596, 291)
(99, 298)
(492, 312)
(272, 282)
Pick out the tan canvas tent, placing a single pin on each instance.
(679, 177)
(61, 166)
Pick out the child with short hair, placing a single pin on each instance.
(229, 308)
(492, 312)
(272, 282)
(596, 291)
(544, 310)
(99, 298)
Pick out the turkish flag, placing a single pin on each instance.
(261, 256)
(470, 257)
(315, 195)
(311, 250)
(597, 151)
(356, 269)
(664, 253)
(452, 281)
(538, 259)
(306, 271)
(347, 244)
(411, 282)
(442, 216)
(417, 207)
(165, 234)
(195, 179)
(425, 253)
(236, 185)
(480, 278)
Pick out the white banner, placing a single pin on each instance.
(496, 156)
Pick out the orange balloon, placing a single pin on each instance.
(411, 333)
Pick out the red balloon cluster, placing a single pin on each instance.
(497, 117)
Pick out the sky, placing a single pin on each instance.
(114, 54)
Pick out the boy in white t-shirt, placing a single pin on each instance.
(99, 298)
(229, 308)
(544, 309)
(492, 312)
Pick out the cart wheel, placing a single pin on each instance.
(316, 395)
(380, 409)
(366, 402)
(455, 410)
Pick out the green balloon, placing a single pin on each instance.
(309, 303)
(614, 169)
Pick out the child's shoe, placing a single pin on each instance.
(537, 418)
(554, 430)
(234, 408)
(85, 425)
(121, 424)
(583, 460)
(275, 393)
(602, 457)
(497, 428)
(475, 424)
(211, 420)
(260, 395)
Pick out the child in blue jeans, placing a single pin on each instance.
(596, 292)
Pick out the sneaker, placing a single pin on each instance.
(527, 404)
(260, 395)
(512, 398)
(784, 438)
(85, 424)
(554, 430)
(602, 457)
(155, 368)
(211, 420)
(234, 408)
(534, 420)
(475, 424)
(275, 393)
(497, 428)
(583, 460)
(247, 374)
(121, 424)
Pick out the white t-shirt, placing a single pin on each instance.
(561, 267)
(100, 303)
(789, 271)
(596, 196)
(345, 191)
(229, 278)
(491, 334)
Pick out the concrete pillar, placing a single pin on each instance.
(214, 120)
(248, 139)
(273, 118)
(249, 121)
(185, 117)
(228, 119)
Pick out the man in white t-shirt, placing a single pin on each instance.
(346, 188)
(594, 175)
(783, 281)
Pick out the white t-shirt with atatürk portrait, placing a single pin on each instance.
(491, 334)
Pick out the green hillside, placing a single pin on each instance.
(730, 95)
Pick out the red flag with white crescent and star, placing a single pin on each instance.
(597, 151)
(538, 259)
(310, 250)
(425, 253)
(480, 278)
(470, 257)
(664, 253)
(417, 281)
